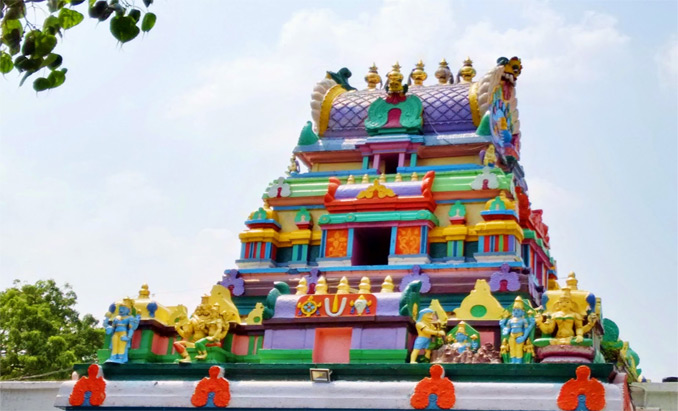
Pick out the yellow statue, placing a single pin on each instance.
(426, 329)
(207, 326)
(566, 320)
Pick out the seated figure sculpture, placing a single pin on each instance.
(205, 327)
(121, 329)
(515, 334)
(567, 322)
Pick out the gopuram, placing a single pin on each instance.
(403, 269)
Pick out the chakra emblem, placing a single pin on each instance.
(309, 307)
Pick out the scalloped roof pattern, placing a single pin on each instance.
(446, 109)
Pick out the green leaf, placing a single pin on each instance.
(6, 64)
(28, 47)
(52, 25)
(44, 44)
(148, 2)
(148, 22)
(15, 12)
(57, 77)
(76, 2)
(41, 84)
(135, 14)
(123, 28)
(69, 18)
(52, 61)
(12, 32)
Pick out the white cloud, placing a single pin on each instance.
(552, 48)
(666, 59)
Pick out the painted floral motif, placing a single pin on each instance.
(89, 391)
(583, 389)
(438, 385)
(233, 281)
(504, 280)
(377, 190)
(416, 275)
(337, 243)
(408, 240)
(213, 390)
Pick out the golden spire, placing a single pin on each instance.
(398, 177)
(144, 293)
(572, 281)
(466, 72)
(372, 78)
(387, 286)
(418, 75)
(365, 287)
(382, 178)
(366, 179)
(350, 179)
(343, 287)
(443, 74)
(415, 176)
(321, 285)
(302, 287)
(395, 79)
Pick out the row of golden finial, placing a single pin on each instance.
(418, 75)
(365, 286)
(382, 178)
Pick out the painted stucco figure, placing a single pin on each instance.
(120, 324)
(565, 320)
(426, 329)
(515, 334)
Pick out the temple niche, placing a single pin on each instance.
(405, 266)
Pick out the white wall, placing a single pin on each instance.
(28, 396)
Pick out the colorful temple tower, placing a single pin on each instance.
(409, 241)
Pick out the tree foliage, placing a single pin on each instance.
(40, 331)
(28, 45)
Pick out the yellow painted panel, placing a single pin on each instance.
(472, 213)
(339, 166)
(444, 161)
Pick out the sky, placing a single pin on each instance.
(144, 165)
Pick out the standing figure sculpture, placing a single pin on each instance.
(121, 329)
(515, 334)
(425, 330)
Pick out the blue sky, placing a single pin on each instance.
(143, 166)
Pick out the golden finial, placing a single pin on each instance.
(144, 293)
(350, 179)
(418, 75)
(302, 287)
(466, 72)
(398, 177)
(366, 179)
(382, 178)
(395, 80)
(292, 168)
(373, 78)
(572, 281)
(321, 285)
(365, 287)
(387, 286)
(415, 176)
(343, 287)
(443, 74)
